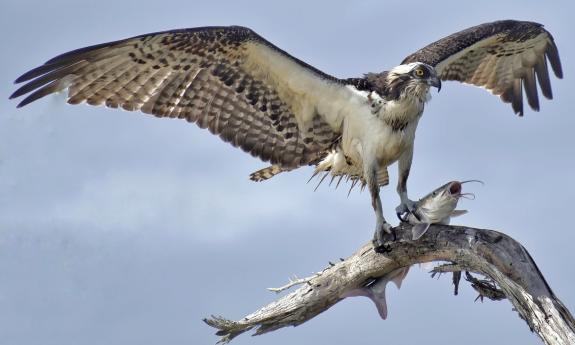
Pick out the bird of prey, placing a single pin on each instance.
(257, 97)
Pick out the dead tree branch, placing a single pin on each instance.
(513, 273)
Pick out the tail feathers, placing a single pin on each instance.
(266, 173)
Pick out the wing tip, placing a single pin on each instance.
(14, 95)
(518, 109)
(20, 79)
(20, 91)
(24, 102)
(31, 74)
(552, 54)
(38, 71)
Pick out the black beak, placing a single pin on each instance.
(435, 81)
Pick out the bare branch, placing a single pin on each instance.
(512, 271)
(293, 282)
(451, 267)
(485, 288)
(445, 268)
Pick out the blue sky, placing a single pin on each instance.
(121, 228)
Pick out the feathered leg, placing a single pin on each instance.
(404, 165)
(381, 225)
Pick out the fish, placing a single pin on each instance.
(437, 207)
(374, 289)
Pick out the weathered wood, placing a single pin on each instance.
(487, 252)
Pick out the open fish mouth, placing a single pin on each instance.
(455, 188)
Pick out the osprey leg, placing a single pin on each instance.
(404, 165)
(381, 225)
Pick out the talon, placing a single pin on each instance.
(382, 249)
(401, 218)
(406, 217)
(406, 207)
(381, 230)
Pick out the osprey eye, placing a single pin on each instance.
(419, 72)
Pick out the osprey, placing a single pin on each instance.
(276, 107)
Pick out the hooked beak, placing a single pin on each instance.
(435, 81)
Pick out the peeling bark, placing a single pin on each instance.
(486, 252)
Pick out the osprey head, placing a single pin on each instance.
(413, 79)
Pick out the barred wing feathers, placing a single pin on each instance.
(504, 57)
(227, 79)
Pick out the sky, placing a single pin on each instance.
(121, 228)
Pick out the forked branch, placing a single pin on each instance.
(487, 252)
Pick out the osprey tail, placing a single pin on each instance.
(266, 173)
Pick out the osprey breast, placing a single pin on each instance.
(400, 113)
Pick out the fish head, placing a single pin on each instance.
(448, 191)
(439, 204)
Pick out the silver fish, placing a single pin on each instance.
(375, 289)
(437, 207)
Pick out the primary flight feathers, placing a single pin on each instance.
(503, 57)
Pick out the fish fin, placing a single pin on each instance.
(457, 213)
(419, 230)
(377, 296)
(399, 275)
(381, 305)
(375, 292)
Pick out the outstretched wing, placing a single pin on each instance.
(227, 79)
(503, 57)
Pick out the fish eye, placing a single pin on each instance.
(419, 72)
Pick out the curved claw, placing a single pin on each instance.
(405, 208)
(382, 249)
(405, 218)
(381, 230)
(380, 244)
(400, 217)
